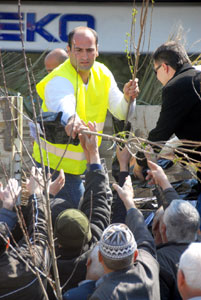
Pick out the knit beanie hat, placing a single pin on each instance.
(117, 242)
(72, 229)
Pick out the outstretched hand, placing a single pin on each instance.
(10, 194)
(73, 126)
(89, 143)
(35, 183)
(156, 175)
(123, 156)
(126, 193)
(57, 184)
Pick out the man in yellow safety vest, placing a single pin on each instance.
(81, 89)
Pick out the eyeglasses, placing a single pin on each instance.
(157, 68)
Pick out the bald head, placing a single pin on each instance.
(87, 31)
(54, 59)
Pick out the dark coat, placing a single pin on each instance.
(17, 281)
(168, 257)
(97, 207)
(181, 108)
(141, 280)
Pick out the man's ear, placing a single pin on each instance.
(165, 67)
(180, 279)
(163, 232)
(100, 258)
(68, 49)
(135, 255)
(89, 261)
(97, 53)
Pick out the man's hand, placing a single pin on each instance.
(156, 175)
(82, 138)
(126, 193)
(131, 90)
(57, 184)
(123, 156)
(89, 144)
(10, 194)
(137, 170)
(35, 183)
(73, 126)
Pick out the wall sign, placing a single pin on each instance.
(46, 27)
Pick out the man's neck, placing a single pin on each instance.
(85, 76)
(107, 270)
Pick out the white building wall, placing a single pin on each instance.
(112, 21)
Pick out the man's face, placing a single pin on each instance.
(83, 51)
(163, 72)
(159, 71)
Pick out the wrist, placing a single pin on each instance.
(123, 167)
(126, 98)
(73, 117)
(128, 207)
(129, 204)
(94, 158)
(165, 185)
(70, 118)
(8, 206)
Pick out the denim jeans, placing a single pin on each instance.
(73, 189)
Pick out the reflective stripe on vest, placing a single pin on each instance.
(60, 152)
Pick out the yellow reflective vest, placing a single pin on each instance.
(91, 105)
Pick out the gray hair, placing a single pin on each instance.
(190, 264)
(182, 221)
(95, 270)
(116, 265)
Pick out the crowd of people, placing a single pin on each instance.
(102, 246)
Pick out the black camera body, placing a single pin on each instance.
(141, 159)
(55, 133)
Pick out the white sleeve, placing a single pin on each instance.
(59, 96)
(197, 67)
(117, 103)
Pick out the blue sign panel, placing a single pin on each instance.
(33, 27)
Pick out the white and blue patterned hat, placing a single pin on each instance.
(117, 242)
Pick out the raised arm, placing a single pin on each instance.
(135, 219)
(96, 203)
(118, 208)
(157, 176)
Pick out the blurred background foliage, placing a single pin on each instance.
(16, 77)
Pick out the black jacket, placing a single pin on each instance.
(17, 281)
(97, 207)
(168, 257)
(181, 108)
